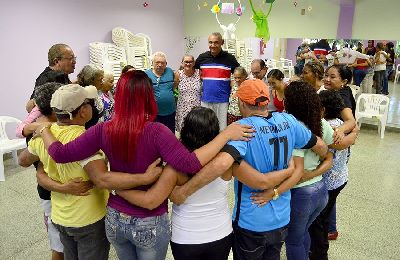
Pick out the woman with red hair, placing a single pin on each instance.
(132, 141)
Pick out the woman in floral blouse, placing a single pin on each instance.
(239, 75)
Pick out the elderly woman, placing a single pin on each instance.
(106, 96)
(187, 81)
(162, 78)
(91, 75)
(239, 75)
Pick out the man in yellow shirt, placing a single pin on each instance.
(80, 219)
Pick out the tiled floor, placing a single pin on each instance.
(368, 208)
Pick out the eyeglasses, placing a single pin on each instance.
(188, 62)
(70, 58)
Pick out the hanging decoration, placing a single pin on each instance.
(145, 4)
(228, 8)
(215, 9)
(239, 10)
(263, 45)
(295, 3)
(261, 21)
(309, 8)
(205, 4)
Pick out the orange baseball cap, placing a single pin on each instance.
(253, 92)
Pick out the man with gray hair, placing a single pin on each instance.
(216, 68)
(62, 62)
(162, 78)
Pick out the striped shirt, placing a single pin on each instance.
(216, 75)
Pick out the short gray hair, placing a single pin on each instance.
(241, 70)
(56, 52)
(88, 75)
(219, 35)
(159, 54)
(188, 55)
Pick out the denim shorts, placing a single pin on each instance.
(52, 232)
(138, 238)
(87, 242)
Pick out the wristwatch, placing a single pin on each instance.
(276, 194)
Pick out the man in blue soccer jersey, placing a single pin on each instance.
(259, 232)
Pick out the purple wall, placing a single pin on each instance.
(345, 25)
(291, 48)
(28, 29)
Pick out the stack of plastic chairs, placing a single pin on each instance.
(248, 59)
(286, 65)
(230, 47)
(137, 47)
(272, 64)
(107, 56)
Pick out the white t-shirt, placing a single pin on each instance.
(204, 217)
(382, 58)
(349, 56)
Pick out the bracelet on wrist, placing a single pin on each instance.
(44, 127)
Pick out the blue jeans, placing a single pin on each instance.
(138, 238)
(385, 89)
(380, 81)
(332, 220)
(359, 75)
(306, 204)
(319, 228)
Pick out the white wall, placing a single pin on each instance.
(29, 28)
(376, 19)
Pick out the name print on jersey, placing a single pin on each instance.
(274, 128)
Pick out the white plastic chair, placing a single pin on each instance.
(355, 90)
(396, 77)
(9, 145)
(137, 47)
(373, 106)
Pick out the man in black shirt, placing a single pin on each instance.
(62, 62)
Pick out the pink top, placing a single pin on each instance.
(155, 141)
(32, 116)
